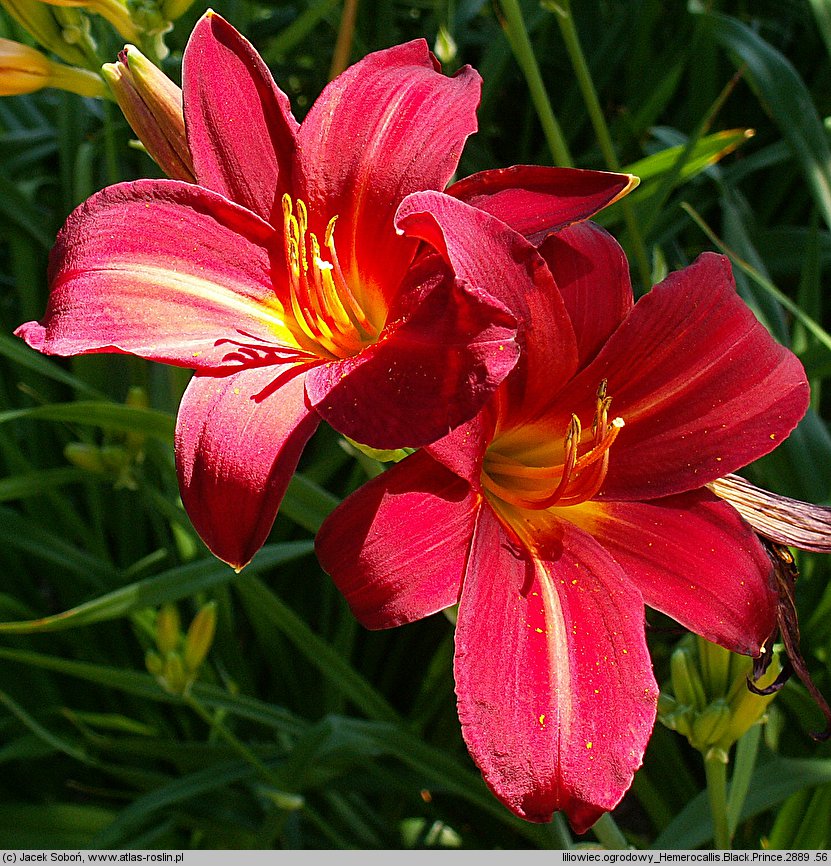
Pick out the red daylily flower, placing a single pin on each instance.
(574, 498)
(284, 280)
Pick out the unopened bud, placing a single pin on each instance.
(153, 662)
(199, 638)
(686, 680)
(168, 629)
(85, 456)
(445, 47)
(136, 399)
(41, 22)
(712, 705)
(710, 725)
(25, 70)
(114, 11)
(152, 104)
(174, 678)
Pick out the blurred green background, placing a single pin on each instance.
(304, 730)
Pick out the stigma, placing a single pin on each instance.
(322, 304)
(575, 477)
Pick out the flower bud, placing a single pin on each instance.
(25, 70)
(199, 638)
(712, 705)
(22, 69)
(41, 22)
(686, 680)
(173, 9)
(85, 456)
(174, 678)
(152, 105)
(168, 632)
(175, 662)
(114, 11)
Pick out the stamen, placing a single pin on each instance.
(322, 303)
(577, 479)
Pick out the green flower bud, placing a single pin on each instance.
(113, 11)
(174, 677)
(154, 664)
(710, 725)
(200, 637)
(686, 680)
(85, 456)
(168, 629)
(712, 705)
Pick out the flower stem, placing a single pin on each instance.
(561, 833)
(237, 745)
(565, 20)
(517, 35)
(609, 834)
(715, 769)
(747, 748)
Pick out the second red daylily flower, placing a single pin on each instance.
(576, 497)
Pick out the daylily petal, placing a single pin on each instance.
(160, 269)
(463, 449)
(239, 123)
(426, 375)
(537, 200)
(388, 126)
(592, 274)
(397, 547)
(702, 387)
(554, 682)
(514, 273)
(694, 559)
(238, 440)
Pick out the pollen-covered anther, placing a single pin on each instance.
(322, 303)
(576, 479)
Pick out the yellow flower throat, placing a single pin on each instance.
(572, 478)
(324, 307)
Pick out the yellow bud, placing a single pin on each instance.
(174, 677)
(25, 70)
(168, 631)
(153, 663)
(200, 636)
(113, 11)
(85, 456)
(22, 69)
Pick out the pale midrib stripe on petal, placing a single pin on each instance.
(221, 296)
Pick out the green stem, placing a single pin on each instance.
(237, 745)
(517, 35)
(562, 12)
(715, 769)
(747, 749)
(609, 834)
(561, 833)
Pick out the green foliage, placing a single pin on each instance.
(302, 729)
